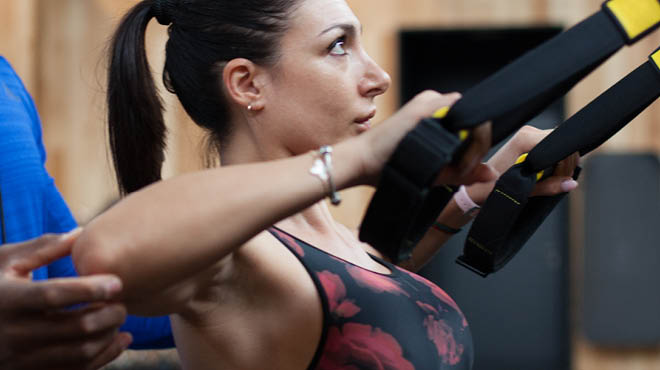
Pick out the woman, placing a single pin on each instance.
(272, 81)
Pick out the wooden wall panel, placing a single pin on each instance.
(73, 37)
(18, 38)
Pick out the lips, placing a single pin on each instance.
(366, 118)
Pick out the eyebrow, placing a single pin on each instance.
(347, 27)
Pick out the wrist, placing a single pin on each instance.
(346, 168)
(465, 203)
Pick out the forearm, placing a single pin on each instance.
(176, 228)
(434, 239)
(167, 359)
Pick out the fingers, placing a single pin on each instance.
(561, 181)
(65, 325)
(426, 103)
(27, 256)
(481, 173)
(479, 146)
(554, 185)
(567, 166)
(527, 138)
(57, 293)
(112, 351)
(469, 168)
(89, 354)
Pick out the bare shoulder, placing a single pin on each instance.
(261, 306)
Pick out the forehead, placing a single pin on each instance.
(315, 16)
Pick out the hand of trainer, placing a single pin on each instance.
(68, 323)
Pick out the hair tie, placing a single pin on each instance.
(163, 10)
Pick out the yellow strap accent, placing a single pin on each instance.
(539, 175)
(636, 16)
(463, 135)
(521, 159)
(441, 113)
(507, 196)
(655, 57)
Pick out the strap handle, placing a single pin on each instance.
(399, 213)
(509, 216)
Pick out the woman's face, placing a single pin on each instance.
(323, 87)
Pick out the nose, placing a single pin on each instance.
(375, 80)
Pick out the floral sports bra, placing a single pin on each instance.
(396, 321)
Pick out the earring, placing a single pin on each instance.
(249, 107)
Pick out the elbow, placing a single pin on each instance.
(92, 254)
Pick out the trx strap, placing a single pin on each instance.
(406, 204)
(509, 217)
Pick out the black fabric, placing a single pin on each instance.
(394, 221)
(405, 205)
(490, 229)
(521, 90)
(599, 120)
(502, 228)
(376, 320)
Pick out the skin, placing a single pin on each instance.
(80, 338)
(239, 298)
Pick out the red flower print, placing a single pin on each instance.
(442, 336)
(358, 346)
(336, 292)
(427, 307)
(377, 283)
(291, 242)
(440, 294)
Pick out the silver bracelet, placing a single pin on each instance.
(322, 168)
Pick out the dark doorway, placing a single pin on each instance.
(519, 315)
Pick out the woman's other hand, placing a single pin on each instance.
(523, 142)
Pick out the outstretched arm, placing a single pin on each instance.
(158, 238)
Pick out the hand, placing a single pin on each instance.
(383, 140)
(39, 328)
(522, 142)
(469, 169)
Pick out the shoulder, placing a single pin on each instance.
(262, 298)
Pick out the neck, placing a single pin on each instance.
(313, 220)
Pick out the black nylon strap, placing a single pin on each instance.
(490, 230)
(399, 213)
(504, 226)
(524, 88)
(409, 192)
(599, 120)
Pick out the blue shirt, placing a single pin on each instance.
(32, 204)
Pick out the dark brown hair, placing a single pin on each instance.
(202, 36)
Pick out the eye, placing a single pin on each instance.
(337, 47)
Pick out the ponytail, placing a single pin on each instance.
(203, 34)
(135, 111)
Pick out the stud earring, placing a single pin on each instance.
(249, 107)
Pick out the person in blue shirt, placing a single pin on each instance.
(47, 314)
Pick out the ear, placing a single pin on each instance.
(242, 81)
